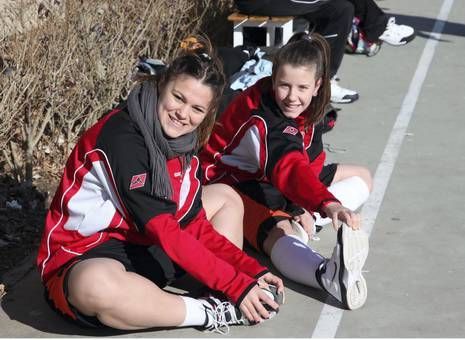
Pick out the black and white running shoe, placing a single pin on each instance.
(221, 314)
(341, 275)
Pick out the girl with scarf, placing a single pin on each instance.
(127, 217)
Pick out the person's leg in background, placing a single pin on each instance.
(333, 20)
(377, 25)
(373, 20)
(278, 8)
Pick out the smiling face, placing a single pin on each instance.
(183, 104)
(294, 87)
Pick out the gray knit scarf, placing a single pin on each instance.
(142, 107)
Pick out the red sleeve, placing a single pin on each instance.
(223, 248)
(294, 177)
(196, 259)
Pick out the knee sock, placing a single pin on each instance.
(195, 312)
(296, 261)
(352, 192)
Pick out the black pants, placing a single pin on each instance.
(332, 18)
(373, 20)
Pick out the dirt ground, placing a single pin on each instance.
(22, 212)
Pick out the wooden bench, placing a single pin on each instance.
(270, 23)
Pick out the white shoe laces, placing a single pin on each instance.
(220, 325)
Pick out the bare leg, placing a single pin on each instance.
(348, 170)
(225, 211)
(103, 288)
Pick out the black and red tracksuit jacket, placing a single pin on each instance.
(105, 193)
(253, 141)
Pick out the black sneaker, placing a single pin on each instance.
(221, 314)
(341, 275)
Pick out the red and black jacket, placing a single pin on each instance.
(254, 141)
(105, 193)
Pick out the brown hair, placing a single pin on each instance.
(305, 49)
(198, 60)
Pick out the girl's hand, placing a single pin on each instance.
(307, 222)
(268, 278)
(337, 212)
(252, 306)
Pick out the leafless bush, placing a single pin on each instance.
(69, 62)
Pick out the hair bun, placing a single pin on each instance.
(192, 44)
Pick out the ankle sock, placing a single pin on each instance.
(195, 312)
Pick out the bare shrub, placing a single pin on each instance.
(69, 63)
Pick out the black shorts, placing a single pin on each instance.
(327, 174)
(149, 262)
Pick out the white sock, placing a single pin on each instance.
(195, 312)
(352, 192)
(296, 261)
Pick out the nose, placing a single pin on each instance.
(182, 112)
(291, 95)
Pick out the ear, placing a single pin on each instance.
(317, 87)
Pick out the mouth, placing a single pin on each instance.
(290, 106)
(176, 122)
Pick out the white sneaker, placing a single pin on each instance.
(397, 34)
(341, 95)
(341, 275)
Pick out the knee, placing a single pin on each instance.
(93, 290)
(281, 229)
(232, 199)
(365, 175)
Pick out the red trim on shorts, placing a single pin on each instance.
(56, 290)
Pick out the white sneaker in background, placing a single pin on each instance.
(341, 95)
(341, 275)
(397, 34)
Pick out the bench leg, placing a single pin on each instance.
(270, 35)
(287, 31)
(238, 36)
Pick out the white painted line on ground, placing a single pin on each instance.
(330, 317)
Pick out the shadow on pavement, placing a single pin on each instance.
(424, 26)
(25, 303)
(313, 293)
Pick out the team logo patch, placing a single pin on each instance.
(290, 130)
(138, 181)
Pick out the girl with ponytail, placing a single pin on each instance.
(127, 218)
(261, 147)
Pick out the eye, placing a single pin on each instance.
(178, 97)
(198, 109)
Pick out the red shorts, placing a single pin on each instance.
(264, 206)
